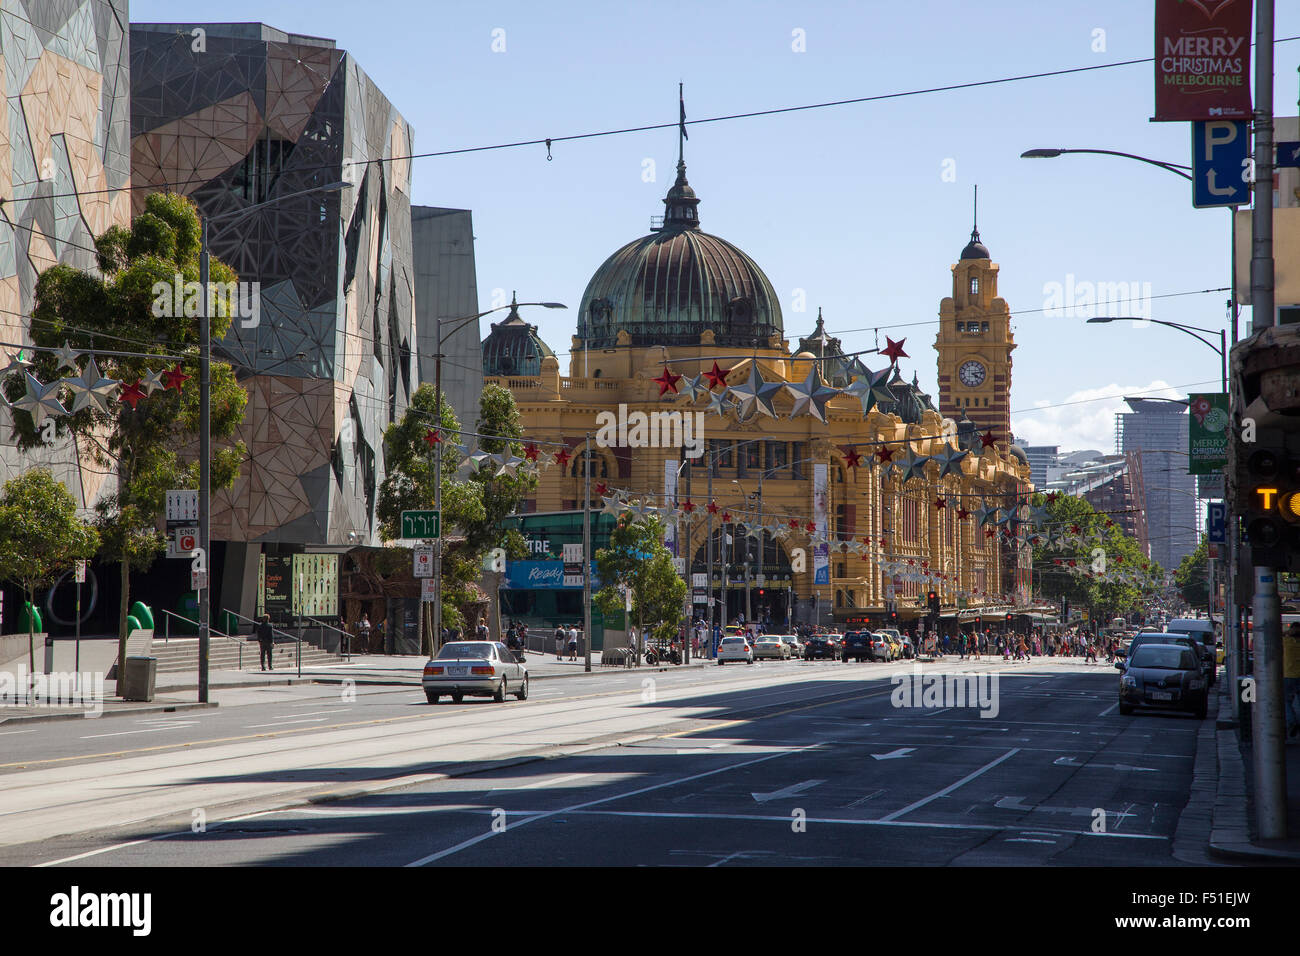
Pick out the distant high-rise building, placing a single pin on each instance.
(1156, 431)
(1041, 458)
(1112, 484)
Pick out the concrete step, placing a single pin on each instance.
(182, 654)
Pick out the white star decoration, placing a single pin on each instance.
(91, 388)
(40, 400)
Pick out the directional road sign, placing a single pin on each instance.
(1220, 158)
(421, 524)
(1216, 522)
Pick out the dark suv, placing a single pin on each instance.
(857, 645)
(820, 646)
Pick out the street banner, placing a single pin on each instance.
(822, 552)
(1207, 433)
(670, 497)
(1202, 60)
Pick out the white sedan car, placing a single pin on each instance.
(792, 641)
(735, 649)
(771, 645)
(474, 669)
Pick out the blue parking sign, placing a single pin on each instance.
(1216, 522)
(1220, 157)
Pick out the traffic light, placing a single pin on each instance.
(932, 600)
(1009, 616)
(1268, 496)
(893, 617)
(977, 621)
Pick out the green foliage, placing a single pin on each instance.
(151, 448)
(637, 560)
(1193, 577)
(40, 534)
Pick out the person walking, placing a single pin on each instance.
(363, 632)
(559, 641)
(266, 642)
(573, 642)
(482, 630)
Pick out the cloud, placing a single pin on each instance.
(1083, 419)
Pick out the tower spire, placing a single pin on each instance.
(975, 218)
(680, 203)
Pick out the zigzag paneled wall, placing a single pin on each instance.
(237, 114)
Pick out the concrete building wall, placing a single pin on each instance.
(446, 288)
(1157, 433)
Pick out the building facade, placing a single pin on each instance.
(1156, 431)
(1113, 485)
(796, 511)
(65, 169)
(446, 290)
(235, 115)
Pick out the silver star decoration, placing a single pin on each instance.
(871, 390)
(508, 464)
(692, 388)
(1038, 515)
(811, 396)
(718, 402)
(914, 467)
(753, 530)
(16, 363)
(479, 458)
(777, 531)
(67, 357)
(152, 381)
(612, 506)
(949, 461)
(756, 394)
(40, 400)
(91, 388)
(987, 515)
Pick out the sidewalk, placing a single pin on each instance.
(364, 670)
(1232, 835)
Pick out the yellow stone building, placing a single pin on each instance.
(792, 497)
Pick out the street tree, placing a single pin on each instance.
(130, 304)
(637, 563)
(1192, 576)
(40, 537)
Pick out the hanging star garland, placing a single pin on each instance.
(894, 350)
(91, 388)
(756, 394)
(692, 388)
(432, 438)
(39, 400)
(717, 376)
(667, 382)
(563, 456)
(175, 378)
(131, 394)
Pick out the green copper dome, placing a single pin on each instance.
(669, 287)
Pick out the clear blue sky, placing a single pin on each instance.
(849, 203)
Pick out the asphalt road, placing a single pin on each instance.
(785, 763)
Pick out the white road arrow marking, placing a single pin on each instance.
(789, 791)
(1071, 762)
(1018, 803)
(894, 754)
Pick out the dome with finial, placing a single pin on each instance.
(975, 249)
(513, 346)
(671, 286)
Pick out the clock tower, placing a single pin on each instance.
(975, 344)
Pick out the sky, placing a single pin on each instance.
(859, 210)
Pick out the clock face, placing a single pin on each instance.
(971, 374)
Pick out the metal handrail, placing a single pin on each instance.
(167, 633)
(331, 627)
(275, 630)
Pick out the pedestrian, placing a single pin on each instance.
(559, 641)
(363, 632)
(1291, 680)
(266, 641)
(573, 642)
(482, 630)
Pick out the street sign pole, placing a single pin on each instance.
(586, 552)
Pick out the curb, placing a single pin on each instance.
(116, 712)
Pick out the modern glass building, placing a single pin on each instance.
(1156, 431)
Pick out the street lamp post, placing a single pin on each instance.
(205, 420)
(1192, 330)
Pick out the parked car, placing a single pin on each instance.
(1204, 631)
(904, 642)
(735, 649)
(881, 649)
(474, 669)
(1167, 676)
(856, 646)
(821, 646)
(1184, 640)
(771, 645)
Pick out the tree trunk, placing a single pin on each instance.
(123, 605)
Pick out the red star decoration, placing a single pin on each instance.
(530, 452)
(924, 565)
(866, 540)
(939, 503)
(1074, 529)
(794, 523)
(885, 454)
(432, 438)
(1119, 559)
(987, 439)
(894, 349)
(1051, 498)
(883, 543)
(810, 527)
(1109, 523)
(962, 514)
(911, 562)
(562, 456)
(712, 508)
(1071, 563)
(1056, 561)
(688, 506)
(852, 458)
(726, 516)
(667, 382)
(600, 489)
(175, 378)
(717, 376)
(131, 394)
(989, 532)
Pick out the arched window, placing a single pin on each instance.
(974, 285)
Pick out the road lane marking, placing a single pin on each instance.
(553, 782)
(950, 788)
(1072, 762)
(6, 733)
(313, 713)
(1108, 710)
(474, 841)
(790, 791)
(285, 723)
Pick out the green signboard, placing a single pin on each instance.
(1207, 433)
(421, 524)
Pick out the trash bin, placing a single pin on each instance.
(138, 678)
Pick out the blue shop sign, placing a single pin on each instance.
(538, 575)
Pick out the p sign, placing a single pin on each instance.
(1220, 155)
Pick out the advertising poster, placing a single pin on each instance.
(822, 552)
(1207, 433)
(1202, 60)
